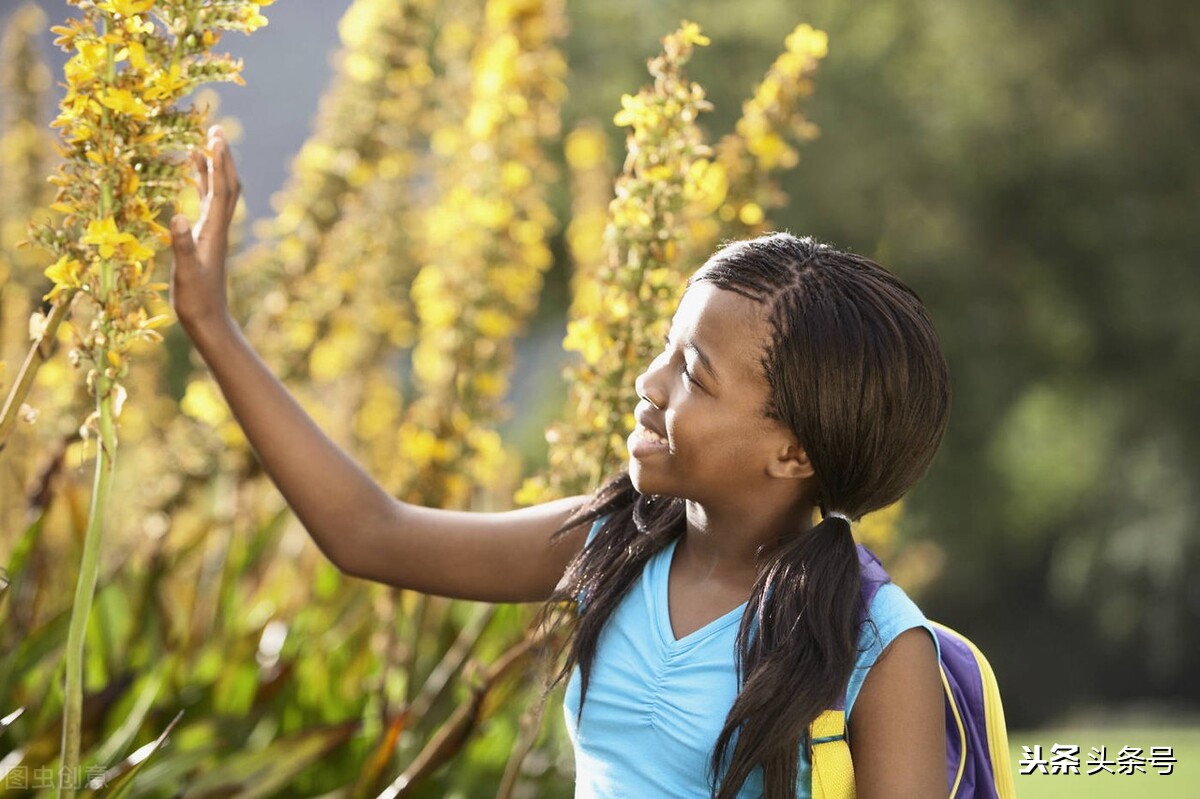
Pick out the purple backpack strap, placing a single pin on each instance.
(977, 758)
(962, 738)
(873, 577)
(873, 574)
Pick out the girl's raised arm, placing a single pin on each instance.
(495, 557)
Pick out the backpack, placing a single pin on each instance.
(977, 758)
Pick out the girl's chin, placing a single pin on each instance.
(637, 477)
(644, 481)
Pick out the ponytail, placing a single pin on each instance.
(796, 648)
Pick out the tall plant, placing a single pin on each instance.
(484, 252)
(741, 184)
(132, 61)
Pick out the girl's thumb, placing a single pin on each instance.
(181, 237)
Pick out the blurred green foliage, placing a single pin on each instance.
(1030, 173)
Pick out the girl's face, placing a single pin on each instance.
(704, 396)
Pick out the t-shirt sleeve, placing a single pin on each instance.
(893, 612)
(581, 597)
(595, 529)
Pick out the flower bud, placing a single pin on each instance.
(37, 326)
(28, 413)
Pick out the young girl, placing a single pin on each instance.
(715, 620)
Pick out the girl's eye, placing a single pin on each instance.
(683, 365)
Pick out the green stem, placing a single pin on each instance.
(85, 589)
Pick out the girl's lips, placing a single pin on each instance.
(643, 442)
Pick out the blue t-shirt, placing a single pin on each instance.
(656, 705)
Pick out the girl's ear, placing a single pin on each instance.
(791, 463)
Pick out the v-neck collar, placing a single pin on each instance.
(657, 588)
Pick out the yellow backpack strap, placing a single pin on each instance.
(832, 769)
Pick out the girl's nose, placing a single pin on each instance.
(647, 390)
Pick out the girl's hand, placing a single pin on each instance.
(198, 274)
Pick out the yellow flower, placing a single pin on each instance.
(140, 252)
(126, 8)
(78, 115)
(631, 107)
(751, 214)
(666, 167)
(162, 85)
(491, 323)
(103, 234)
(707, 185)
(136, 53)
(251, 19)
(87, 64)
(770, 149)
(124, 101)
(74, 106)
(136, 25)
(65, 273)
(807, 39)
(585, 336)
(690, 32)
(67, 33)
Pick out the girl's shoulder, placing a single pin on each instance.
(892, 612)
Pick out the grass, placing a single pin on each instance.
(1182, 783)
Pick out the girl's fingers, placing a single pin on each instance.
(200, 164)
(229, 178)
(215, 140)
(181, 240)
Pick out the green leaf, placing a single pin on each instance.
(12, 578)
(142, 704)
(372, 770)
(40, 642)
(10, 718)
(136, 761)
(235, 689)
(16, 564)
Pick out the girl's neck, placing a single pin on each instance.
(727, 547)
